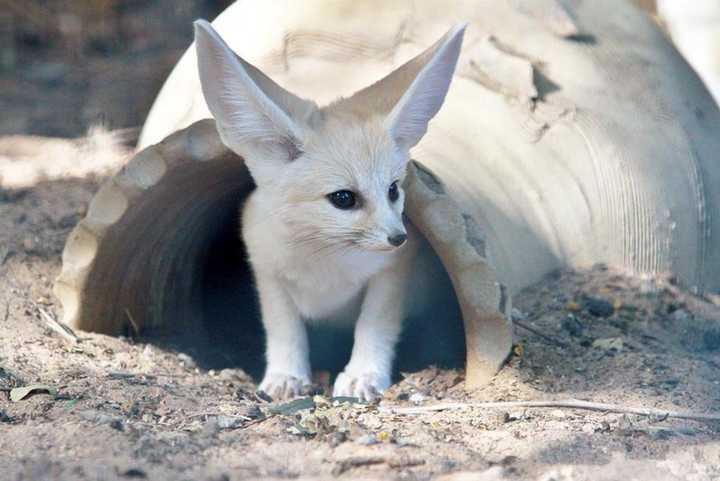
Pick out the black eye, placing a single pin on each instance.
(393, 192)
(343, 199)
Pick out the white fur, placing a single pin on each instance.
(409, 119)
(311, 260)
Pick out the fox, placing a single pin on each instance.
(324, 228)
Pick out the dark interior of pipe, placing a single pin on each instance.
(209, 306)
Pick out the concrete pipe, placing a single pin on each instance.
(159, 253)
(573, 133)
(574, 130)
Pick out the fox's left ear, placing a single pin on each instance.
(249, 108)
(409, 118)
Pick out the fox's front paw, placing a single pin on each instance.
(363, 385)
(284, 386)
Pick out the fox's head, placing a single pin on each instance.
(334, 173)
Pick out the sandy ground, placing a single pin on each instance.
(129, 409)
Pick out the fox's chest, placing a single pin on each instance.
(330, 288)
(325, 301)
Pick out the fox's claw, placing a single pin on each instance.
(283, 386)
(365, 386)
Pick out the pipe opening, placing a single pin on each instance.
(169, 268)
(208, 305)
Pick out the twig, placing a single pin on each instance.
(567, 404)
(540, 334)
(57, 326)
(701, 306)
(133, 324)
(355, 462)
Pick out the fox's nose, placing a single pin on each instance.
(397, 239)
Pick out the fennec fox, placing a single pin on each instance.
(324, 228)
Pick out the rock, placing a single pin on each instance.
(29, 244)
(229, 422)
(500, 417)
(680, 315)
(186, 361)
(417, 398)
(134, 473)
(233, 375)
(367, 440)
(573, 306)
(251, 412)
(599, 307)
(589, 428)
(517, 314)
(336, 438)
(649, 287)
(100, 418)
(515, 415)
(609, 344)
(385, 437)
(572, 325)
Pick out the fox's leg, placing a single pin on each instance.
(377, 330)
(286, 350)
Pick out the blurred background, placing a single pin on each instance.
(66, 65)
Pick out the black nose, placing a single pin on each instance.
(397, 240)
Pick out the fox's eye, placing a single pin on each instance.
(393, 192)
(343, 199)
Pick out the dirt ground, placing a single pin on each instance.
(124, 408)
(129, 409)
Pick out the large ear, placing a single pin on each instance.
(409, 118)
(247, 105)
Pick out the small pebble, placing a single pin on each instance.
(252, 412)
(649, 286)
(117, 425)
(573, 306)
(336, 438)
(28, 244)
(680, 315)
(515, 415)
(599, 307)
(609, 344)
(134, 473)
(367, 440)
(186, 360)
(229, 422)
(572, 325)
(385, 437)
(589, 428)
(417, 398)
(502, 417)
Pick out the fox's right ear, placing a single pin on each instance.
(408, 121)
(251, 111)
